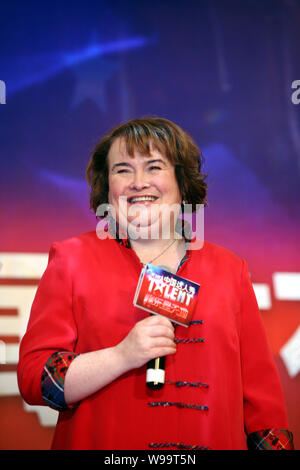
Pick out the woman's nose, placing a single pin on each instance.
(139, 181)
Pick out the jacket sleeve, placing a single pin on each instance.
(270, 439)
(53, 380)
(51, 328)
(264, 406)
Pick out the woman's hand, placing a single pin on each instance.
(91, 371)
(149, 338)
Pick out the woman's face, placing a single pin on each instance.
(147, 186)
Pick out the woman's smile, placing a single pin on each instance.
(143, 199)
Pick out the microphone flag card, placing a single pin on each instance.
(164, 293)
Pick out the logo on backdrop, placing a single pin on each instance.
(19, 277)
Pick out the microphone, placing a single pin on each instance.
(162, 292)
(155, 376)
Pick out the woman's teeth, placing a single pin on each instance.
(141, 199)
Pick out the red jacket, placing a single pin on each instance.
(85, 302)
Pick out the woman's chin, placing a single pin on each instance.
(147, 230)
(147, 223)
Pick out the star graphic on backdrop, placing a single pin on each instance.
(92, 77)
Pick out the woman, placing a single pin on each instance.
(86, 346)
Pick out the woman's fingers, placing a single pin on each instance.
(158, 330)
(159, 325)
(149, 338)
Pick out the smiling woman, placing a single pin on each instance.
(146, 184)
(145, 169)
(87, 345)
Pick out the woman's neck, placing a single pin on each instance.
(166, 252)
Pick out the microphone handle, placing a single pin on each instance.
(155, 377)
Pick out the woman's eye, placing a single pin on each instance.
(122, 171)
(154, 167)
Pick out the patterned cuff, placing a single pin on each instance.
(53, 379)
(270, 439)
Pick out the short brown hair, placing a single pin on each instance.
(179, 147)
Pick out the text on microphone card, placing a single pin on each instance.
(165, 293)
